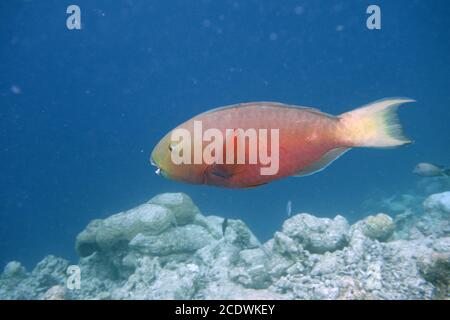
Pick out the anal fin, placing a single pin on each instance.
(323, 162)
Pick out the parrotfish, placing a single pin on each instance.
(301, 141)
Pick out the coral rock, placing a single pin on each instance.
(106, 234)
(50, 271)
(183, 239)
(55, 293)
(436, 270)
(182, 207)
(167, 249)
(251, 269)
(439, 202)
(317, 235)
(380, 227)
(13, 269)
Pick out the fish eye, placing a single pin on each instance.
(170, 148)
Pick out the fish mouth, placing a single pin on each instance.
(158, 169)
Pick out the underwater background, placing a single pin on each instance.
(81, 110)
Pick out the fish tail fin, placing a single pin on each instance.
(446, 172)
(374, 125)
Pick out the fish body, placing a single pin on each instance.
(224, 226)
(309, 140)
(424, 169)
(289, 208)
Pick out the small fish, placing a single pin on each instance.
(289, 208)
(224, 226)
(309, 140)
(424, 169)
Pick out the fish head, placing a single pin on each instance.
(418, 168)
(163, 158)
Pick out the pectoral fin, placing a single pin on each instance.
(322, 163)
(221, 171)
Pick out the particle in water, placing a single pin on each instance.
(206, 23)
(299, 10)
(16, 89)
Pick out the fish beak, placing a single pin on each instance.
(158, 169)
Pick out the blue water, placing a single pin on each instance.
(81, 110)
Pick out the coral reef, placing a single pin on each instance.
(166, 249)
(433, 222)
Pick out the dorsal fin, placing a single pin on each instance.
(323, 162)
(267, 104)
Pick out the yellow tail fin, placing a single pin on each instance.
(373, 125)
